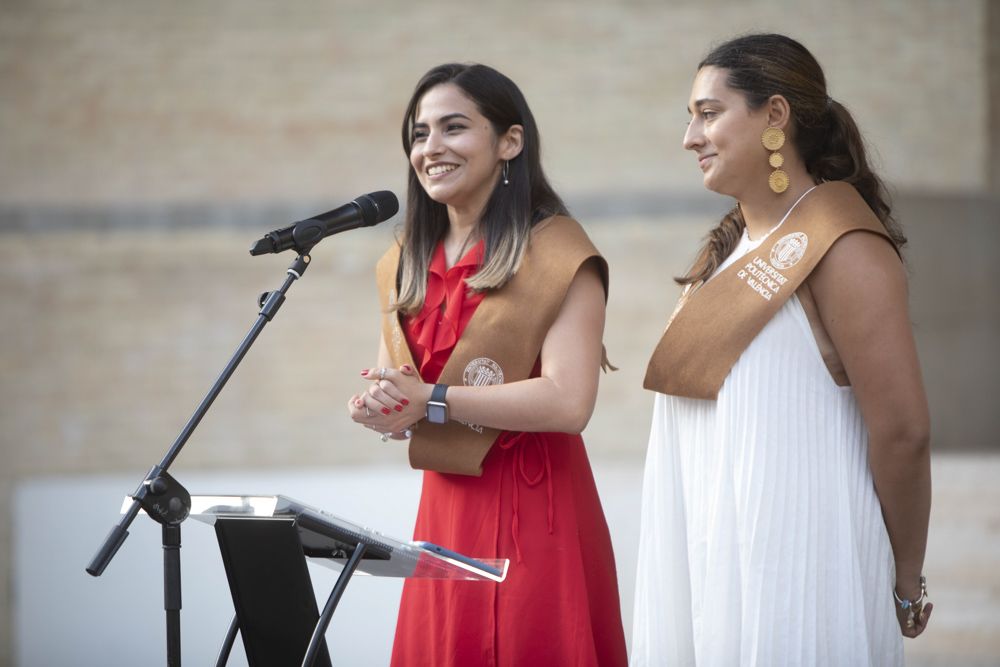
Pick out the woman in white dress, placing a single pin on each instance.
(787, 487)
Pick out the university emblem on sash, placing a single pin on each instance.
(482, 372)
(789, 249)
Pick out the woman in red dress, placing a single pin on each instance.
(479, 212)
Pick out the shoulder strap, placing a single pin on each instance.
(696, 353)
(386, 272)
(501, 342)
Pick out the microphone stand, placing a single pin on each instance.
(164, 498)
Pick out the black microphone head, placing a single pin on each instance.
(377, 206)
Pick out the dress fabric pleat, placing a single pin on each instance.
(762, 540)
(536, 504)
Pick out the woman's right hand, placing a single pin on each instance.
(921, 606)
(385, 406)
(919, 620)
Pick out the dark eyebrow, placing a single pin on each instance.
(445, 119)
(452, 116)
(703, 101)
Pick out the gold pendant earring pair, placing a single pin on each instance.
(773, 139)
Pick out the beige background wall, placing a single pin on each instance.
(122, 101)
(143, 145)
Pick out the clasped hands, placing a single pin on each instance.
(394, 402)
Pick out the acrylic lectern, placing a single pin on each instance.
(265, 541)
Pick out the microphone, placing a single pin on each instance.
(365, 211)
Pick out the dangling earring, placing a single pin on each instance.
(506, 168)
(773, 139)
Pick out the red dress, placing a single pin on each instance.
(536, 504)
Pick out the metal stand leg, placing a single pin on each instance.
(172, 591)
(331, 604)
(227, 646)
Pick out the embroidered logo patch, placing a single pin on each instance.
(789, 249)
(481, 372)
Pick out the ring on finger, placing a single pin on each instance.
(381, 373)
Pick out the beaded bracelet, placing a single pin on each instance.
(912, 607)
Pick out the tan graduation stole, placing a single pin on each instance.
(501, 342)
(719, 319)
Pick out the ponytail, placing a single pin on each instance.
(719, 244)
(838, 154)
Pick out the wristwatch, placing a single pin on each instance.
(437, 409)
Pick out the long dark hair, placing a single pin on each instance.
(511, 211)
(826, 136)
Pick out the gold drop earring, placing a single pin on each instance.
(773, 139)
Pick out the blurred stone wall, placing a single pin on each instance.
(143, 145)
(993, 85)
(122, 101)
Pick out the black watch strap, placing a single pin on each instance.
(437, 408)
(438, 392)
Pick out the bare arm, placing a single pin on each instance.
(861, 294)
(562, 399)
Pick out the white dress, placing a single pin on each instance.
(762, 540)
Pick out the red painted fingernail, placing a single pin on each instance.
(358, 403)
(399, 408)
(364, 371)
(405, 402)
(406, 367)
(386, 411)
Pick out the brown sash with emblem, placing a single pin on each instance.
(501, 342)
(718, 320)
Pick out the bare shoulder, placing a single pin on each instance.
(861, 294)
(860, 265)
(589, 280)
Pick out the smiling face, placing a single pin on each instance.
(725, 135)
(455, 153)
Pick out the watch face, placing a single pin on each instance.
(437, 413)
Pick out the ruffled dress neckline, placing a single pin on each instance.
(448, 306)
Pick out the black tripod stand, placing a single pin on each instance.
(165, 499)
(162, 496)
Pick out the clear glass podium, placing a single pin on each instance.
(265, 541)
